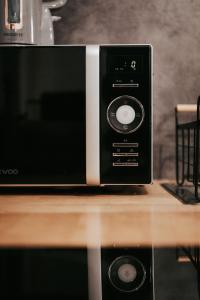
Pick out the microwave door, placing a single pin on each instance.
(44, 274)
(42, 115)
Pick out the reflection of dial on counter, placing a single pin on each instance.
(127, 274)
(125, 114)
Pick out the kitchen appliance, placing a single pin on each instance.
(75, 115)
(65, 274)
(44, 273)
(27, 22)
(127, 273)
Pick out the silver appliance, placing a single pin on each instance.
(28, 21)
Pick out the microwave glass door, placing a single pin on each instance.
(42, 115)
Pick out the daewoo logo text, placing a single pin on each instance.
(9, 172)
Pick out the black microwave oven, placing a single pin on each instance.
(80, 273)
(75, 115)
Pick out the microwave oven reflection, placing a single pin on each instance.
(126, 273)
(93, 234)
(116, 272)
(48, 273)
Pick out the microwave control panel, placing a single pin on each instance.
(125, 114)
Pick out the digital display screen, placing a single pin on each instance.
(125, 64)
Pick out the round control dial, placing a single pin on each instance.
(125, 114)
(127, 274)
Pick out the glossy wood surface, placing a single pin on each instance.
(90, 216)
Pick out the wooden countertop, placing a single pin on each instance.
(88, 217)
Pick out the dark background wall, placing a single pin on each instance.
(172, 27)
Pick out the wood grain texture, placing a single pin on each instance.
(83, 217)
(186, 108)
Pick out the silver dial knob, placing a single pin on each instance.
(127, 274)
(125, 114)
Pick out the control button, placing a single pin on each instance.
(125, 114)
(125, 154)
(125, 164)
(127, 273)
(125, 85)
(134, 145)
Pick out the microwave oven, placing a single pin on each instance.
(78, 273)
(75, 115)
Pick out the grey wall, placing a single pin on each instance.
(172, 27)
